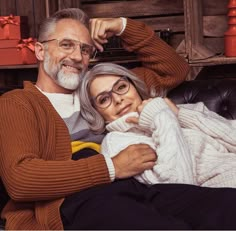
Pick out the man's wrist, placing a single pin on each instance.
(111, 168)
(124, 22)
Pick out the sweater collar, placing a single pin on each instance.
(121, 125)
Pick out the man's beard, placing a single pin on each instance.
(68, 81)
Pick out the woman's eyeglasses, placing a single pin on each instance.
(104, 99)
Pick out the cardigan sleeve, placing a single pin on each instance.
(35, 153)
(162, 68)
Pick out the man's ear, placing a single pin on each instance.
(39, 51)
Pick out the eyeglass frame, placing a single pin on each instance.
(124, 78)
(77, 42)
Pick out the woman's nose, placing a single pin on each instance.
(117, 98)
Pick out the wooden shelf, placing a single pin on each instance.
(198, 53)
(118, 60)
(19, 66)
(211, 61)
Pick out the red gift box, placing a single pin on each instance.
(14, 27)
(15, 52)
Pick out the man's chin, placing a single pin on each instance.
(69, 81)
(67, 86)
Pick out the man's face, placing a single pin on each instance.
(66, 66)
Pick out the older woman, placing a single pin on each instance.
(193, 144)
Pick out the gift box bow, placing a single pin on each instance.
(29, 43)
(8, 20)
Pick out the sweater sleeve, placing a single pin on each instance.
(174, 163)
(162, 68)
(198, 117)
(35, 154)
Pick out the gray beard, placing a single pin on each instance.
(68, 81)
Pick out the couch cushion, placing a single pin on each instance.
(218, 95)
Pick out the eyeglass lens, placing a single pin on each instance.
(104, 99)
(69, 46)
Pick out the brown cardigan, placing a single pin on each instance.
(35, 151)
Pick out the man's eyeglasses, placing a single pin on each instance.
(68, 46)
(104, 99)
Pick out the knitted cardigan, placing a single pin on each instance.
(201, 151)
(35, 151)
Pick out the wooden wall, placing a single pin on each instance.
(159, 14)
(215, 23)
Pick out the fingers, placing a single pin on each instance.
(103, 28)
(134, 160)
(172, 106)
(98, 33)
(135, 120)
(146, 153)
(144, 103)
(132, 120)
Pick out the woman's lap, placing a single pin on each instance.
(127, 204)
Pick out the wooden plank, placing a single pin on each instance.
(194, 30)
(68, 3)
(39, 14)
(27, 11)
(176, 40)
(214, 26)
(62, 4)
(175, 23)
(215, 44)
(8, 7)
(134, 8)
(53, 6)
(212, 61)
(215, 7)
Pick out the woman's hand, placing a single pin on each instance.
(139, 110)
(172, 106)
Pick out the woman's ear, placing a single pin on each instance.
(39, 51)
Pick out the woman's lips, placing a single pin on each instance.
(124, 110)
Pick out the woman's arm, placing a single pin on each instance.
(198, 117)
(174, 159)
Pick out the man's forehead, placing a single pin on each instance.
(73, 29)
(70, 23)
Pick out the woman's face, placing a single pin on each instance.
(114, 96)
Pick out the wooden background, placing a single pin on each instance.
(159, 14)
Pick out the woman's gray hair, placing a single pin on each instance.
(47, 27)
(89, 113)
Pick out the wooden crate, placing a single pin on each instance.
(205, 24)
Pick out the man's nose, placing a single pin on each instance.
(76, 54)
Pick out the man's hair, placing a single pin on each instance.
(89, 113)
(47, 27)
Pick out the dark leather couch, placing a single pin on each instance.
(219, 95)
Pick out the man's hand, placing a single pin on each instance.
(134, 160)
(103, 28)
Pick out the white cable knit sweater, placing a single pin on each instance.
(198, 147)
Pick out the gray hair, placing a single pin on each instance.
(47, 27)
(89, 113)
